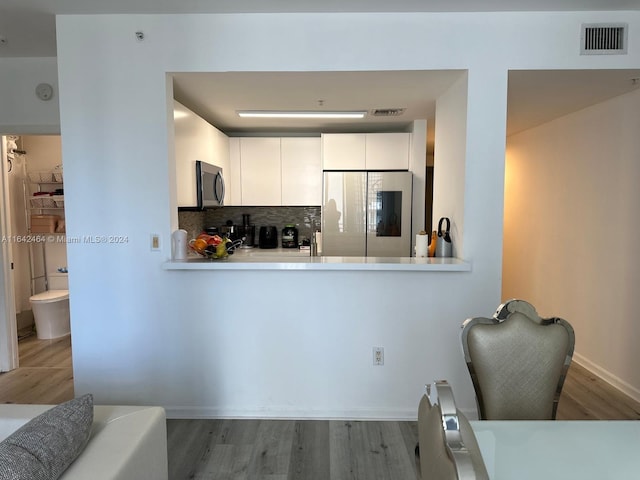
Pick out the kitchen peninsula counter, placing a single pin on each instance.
(283, 259)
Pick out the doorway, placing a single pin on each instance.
(33, 231)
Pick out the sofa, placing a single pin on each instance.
(120, 442)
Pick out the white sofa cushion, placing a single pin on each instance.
(44, 447)
(126, 442)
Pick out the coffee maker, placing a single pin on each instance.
(247, 232)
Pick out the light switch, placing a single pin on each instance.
(155, 242)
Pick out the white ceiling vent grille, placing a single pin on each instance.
(387, 112)
(604, 39)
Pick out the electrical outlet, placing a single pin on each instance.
(155, 242)
(378, 356)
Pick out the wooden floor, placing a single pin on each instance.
(291, 450)
(45, 374)
(287, 449)
(587, 397)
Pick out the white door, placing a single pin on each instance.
(8, 327)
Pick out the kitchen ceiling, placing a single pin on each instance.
(534, 97)
(217, 97)
(27, 29)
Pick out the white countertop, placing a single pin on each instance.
(294, 259)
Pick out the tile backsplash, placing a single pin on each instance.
(306, 219)
(192, 222)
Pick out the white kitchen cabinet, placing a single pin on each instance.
(234, 197)
(260, 171)
(301, 171)
(343, 151)
(268, 171)
(365, 151)
(387, 151)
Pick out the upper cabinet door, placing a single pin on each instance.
(343, 151)
(301, 171)
(387, 151)
(260, 171)
(365, 151)
(233, 178)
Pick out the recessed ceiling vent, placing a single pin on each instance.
(604, 39)
(387, 112)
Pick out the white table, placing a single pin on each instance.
(595, 449)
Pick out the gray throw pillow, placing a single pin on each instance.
(43, 448)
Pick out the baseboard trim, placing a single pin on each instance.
(275, 413)
(608, 377)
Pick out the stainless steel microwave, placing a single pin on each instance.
(209, 185)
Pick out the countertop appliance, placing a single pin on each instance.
(367, 213)
(230, 230)
(179, 245)
(268, 237)
(209, 185)
(247, 232)
(290, 236)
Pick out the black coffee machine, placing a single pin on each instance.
(230, 230)
(247, 232)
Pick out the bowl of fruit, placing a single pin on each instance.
(213, 246)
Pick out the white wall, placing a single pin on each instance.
(44, 152)
(571, 231)
(21, 112)
(417, 165)
(195, 139)
(449, 161)
(274, 343)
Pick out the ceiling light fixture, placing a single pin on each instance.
(300, 114)
(179, 114)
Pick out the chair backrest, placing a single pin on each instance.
(448, 447)
(518, 362)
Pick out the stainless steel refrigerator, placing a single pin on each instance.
(366, 214)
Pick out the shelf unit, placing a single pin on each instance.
(42, 205)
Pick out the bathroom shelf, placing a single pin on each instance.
(47, 182)
(49, 176)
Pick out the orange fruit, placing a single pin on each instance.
(199, 245)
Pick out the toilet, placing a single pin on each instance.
(51, 310)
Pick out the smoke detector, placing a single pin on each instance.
(387, 112)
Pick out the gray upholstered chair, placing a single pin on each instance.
(448, 447)
(518, 362)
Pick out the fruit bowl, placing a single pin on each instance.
(213, 247)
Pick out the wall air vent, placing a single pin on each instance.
(603, 39)
(387, 112)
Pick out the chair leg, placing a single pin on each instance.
(417, 450)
